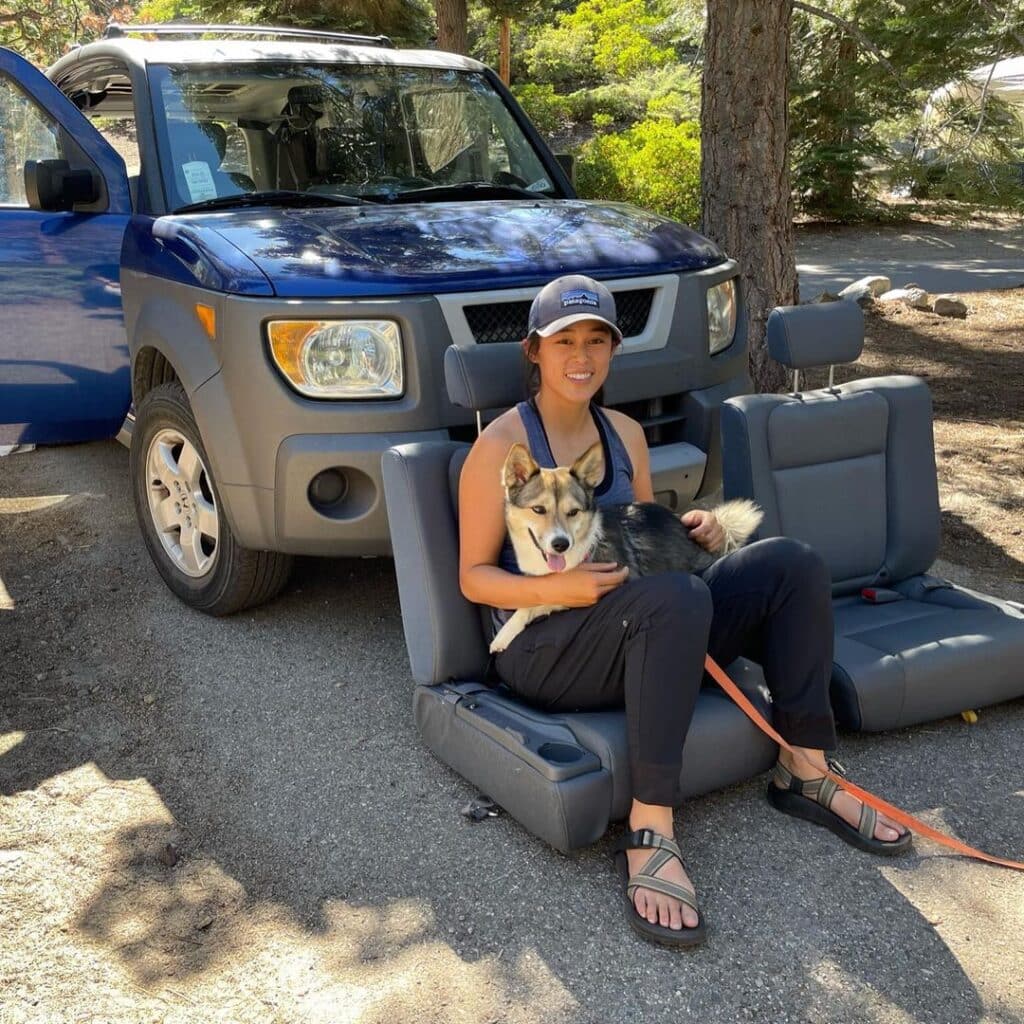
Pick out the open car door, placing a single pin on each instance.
(64, 204)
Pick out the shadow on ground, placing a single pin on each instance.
(259, 821)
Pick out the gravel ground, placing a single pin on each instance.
(233, 820)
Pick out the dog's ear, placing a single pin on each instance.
(589, 467)
(519, 467)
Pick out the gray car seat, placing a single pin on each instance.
(851, 471)
(563, 776)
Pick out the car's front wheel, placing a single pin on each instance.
(181, 516)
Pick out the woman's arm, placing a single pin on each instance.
(482, 532)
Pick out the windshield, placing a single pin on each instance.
(373, 132)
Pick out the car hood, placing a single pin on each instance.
(452, 247)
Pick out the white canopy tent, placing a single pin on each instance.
(1004, 79)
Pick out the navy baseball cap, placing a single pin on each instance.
(567, 300)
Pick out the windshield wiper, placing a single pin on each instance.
(272, 197)
(464, 188)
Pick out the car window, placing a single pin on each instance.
(26, 133)
(371, 131)
(121, 134)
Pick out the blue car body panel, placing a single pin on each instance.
(450, 247)
(63, 351)
(175, 250)
(64, 372)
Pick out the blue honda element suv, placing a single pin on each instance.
(247, 250)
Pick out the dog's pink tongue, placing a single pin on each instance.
(556, 563)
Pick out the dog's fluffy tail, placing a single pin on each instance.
(739, 519)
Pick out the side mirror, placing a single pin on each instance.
(567, 161)
(52, 185)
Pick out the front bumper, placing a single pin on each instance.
(291, 517)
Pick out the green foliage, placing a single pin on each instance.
(43, 30)
(548, 110)
(964, 156)
(655, 164)
(407, 21)
(673, 93)
(852, 82)
(603, 41)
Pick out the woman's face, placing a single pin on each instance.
(574, 362)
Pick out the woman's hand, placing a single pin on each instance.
(584, 585)
(704, 528)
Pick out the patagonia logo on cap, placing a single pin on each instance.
(581, 297)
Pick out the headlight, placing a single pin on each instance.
(339, 358)
(721, 316)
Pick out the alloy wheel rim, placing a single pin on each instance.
(182, 505)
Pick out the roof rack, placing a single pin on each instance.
(114, 30)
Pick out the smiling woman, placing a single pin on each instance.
(576, 635)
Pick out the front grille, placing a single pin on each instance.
(663, 419)
(507, 321)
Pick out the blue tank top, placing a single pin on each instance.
(615, 489)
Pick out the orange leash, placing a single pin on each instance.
(907, 820)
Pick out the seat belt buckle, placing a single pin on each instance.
(880, 595)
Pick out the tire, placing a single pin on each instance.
(181, 516)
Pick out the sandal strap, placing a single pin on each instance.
(647, 838)
(665, 849)
(642, 880)
(821, 789)
(868, 820)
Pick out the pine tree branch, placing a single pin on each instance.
(994, 13)
(851, 29)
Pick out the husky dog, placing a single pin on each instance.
(554, 524)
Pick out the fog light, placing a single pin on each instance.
(327, 488)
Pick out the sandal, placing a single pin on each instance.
(645, 878)
(812, 799)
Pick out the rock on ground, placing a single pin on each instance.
(950, 305)
(915, 298)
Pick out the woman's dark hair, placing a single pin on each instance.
(530, 345)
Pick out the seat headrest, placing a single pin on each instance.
(218, 135)
(818, 334)
(491, 376)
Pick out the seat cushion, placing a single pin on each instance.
(941, 650)
(566, 776)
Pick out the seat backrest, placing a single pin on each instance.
(850, 469)
(445, 634)
(443, 631)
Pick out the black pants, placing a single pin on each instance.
(643, 645)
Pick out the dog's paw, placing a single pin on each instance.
(497, 646)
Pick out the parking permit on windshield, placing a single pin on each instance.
(199, 180)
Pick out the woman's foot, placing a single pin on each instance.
(655, 906)
(843, 804)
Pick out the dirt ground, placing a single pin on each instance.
(234, 821)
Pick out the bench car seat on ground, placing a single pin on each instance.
(851, 471)
(563, 776)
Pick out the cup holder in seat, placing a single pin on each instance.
(560, 753)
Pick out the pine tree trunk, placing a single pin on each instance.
(747, 206)
(451, 25)
(505, 51)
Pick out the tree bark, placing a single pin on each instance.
(451, 25)
(505, 51)
(747, 204)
